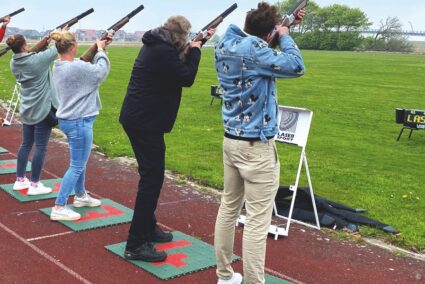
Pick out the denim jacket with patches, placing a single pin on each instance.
(247, 68)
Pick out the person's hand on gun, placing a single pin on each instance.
(300, 17)
(6, 21)
(198, 44)
(101, 44)
(210, 33)
(48, 39)
(282, 30)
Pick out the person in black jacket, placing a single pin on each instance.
(149, 110)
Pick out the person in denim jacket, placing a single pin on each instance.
(247, 69)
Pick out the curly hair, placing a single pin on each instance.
(261, 21)
(16, 42)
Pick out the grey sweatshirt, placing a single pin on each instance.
(38, 93)
(77, 83)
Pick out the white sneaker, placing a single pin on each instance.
(19, 185)
(64, 213)
(39, 189)
(236, 279)
(86, 201)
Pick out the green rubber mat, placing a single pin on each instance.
(9, 167)
(186, 255)
(3, 150)
(22, 195)
(108, 214)
(275, 280)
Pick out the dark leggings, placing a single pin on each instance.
(149, 149)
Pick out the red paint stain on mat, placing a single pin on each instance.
(56, 187)
(8, 166)
(175, 260)
(23, 192)
(174, 245)
(93, 215)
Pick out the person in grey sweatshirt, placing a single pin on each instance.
(38, 96)
(77, 83)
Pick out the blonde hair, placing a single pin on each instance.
(64, 40)
(179, 28)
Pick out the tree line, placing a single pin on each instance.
(339, 27)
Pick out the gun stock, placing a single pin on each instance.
(200, 36)
(287, 21)
(2, 19)
(91, 52)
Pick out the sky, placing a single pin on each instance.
(47, 14)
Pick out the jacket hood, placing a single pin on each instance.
(155, 36)
(18, 57)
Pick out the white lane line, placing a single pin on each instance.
(45, 255)
(49, 236)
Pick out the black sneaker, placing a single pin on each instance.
(145, 252)
(159, 236)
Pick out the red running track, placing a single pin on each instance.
(35, 250)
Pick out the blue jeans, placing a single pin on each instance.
(39, 135)
(80, 138)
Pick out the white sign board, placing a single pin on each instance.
(294, 125)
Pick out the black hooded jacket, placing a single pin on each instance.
(155, 88)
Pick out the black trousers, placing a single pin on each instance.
(149, 150)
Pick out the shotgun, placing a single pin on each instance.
(3, 51)
(200, 36)
(214, 23)
(287, 21)
(91, 52)
(2, 19)
(42, 44)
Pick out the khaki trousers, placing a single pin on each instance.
(251, 174)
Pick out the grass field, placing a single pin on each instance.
(353, 154)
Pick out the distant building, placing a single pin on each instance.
(80, 34)
(86, 35)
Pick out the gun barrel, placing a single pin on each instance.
(222, 16)
(76, 19)
(2, 19)
(3, 51)
(135, 11)
(91, 52)
(301, 4)
(129, 16)
(230, 10)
